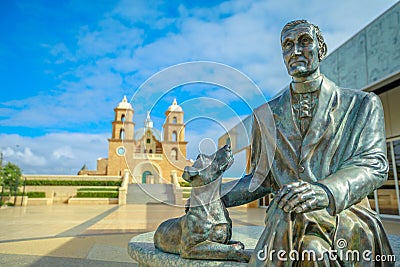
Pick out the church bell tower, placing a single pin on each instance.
(121, 143)
(174, 143)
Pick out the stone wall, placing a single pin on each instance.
(369, 56)
(61, 194)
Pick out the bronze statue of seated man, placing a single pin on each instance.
(330, 155)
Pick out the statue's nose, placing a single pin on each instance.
(297, 50)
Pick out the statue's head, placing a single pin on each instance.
(303, 48)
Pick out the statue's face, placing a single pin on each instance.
(300, 50)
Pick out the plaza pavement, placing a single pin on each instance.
(65, 235)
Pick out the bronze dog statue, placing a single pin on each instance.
(205, 231)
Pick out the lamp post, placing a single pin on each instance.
(16, 190)
(23, 192)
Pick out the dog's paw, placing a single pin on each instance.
(237, 245)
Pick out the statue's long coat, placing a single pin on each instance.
(344, 151)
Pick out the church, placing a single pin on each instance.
(149, 158)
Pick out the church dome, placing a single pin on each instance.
(175, 107)
(124, 104)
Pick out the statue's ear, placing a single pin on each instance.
(322, 51)
(189, 172)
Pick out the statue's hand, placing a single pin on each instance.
(302, 197)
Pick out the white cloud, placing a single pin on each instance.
(62, 53)
(25, 156)
(110, 38)
(63, 152)
(57, 153)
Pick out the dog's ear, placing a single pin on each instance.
(189, 172)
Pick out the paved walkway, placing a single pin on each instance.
(62, 235)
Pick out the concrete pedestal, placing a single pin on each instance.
(142, 250)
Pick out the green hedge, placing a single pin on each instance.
(5, 194)
(73, 183)
(98, 194)
(98, 189)
(36, 194)
(6, 203)
(29, 194)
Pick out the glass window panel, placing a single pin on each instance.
(396, 149)
(387, 196)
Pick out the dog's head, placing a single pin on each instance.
(208, 168)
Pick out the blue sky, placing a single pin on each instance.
(66, 64)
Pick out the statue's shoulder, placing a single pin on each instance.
(348, 93)
(358, 95)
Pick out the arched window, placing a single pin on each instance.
(174, 120)
(122, 134)
(123, 117)
(174, 154)
(151, 151)
(174, 136)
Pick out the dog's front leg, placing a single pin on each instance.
(234, 242)
(216, 251)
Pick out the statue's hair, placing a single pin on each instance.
(321, 42)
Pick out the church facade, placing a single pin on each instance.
(147, 156)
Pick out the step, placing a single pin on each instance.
(150, 193)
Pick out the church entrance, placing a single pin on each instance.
(144, 176)
(147, 173)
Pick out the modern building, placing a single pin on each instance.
(369, 61)
(147, 156)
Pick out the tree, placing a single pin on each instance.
(10, 175)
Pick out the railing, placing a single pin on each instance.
(123, 190)
(148, 156)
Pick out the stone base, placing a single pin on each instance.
(142, 250)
